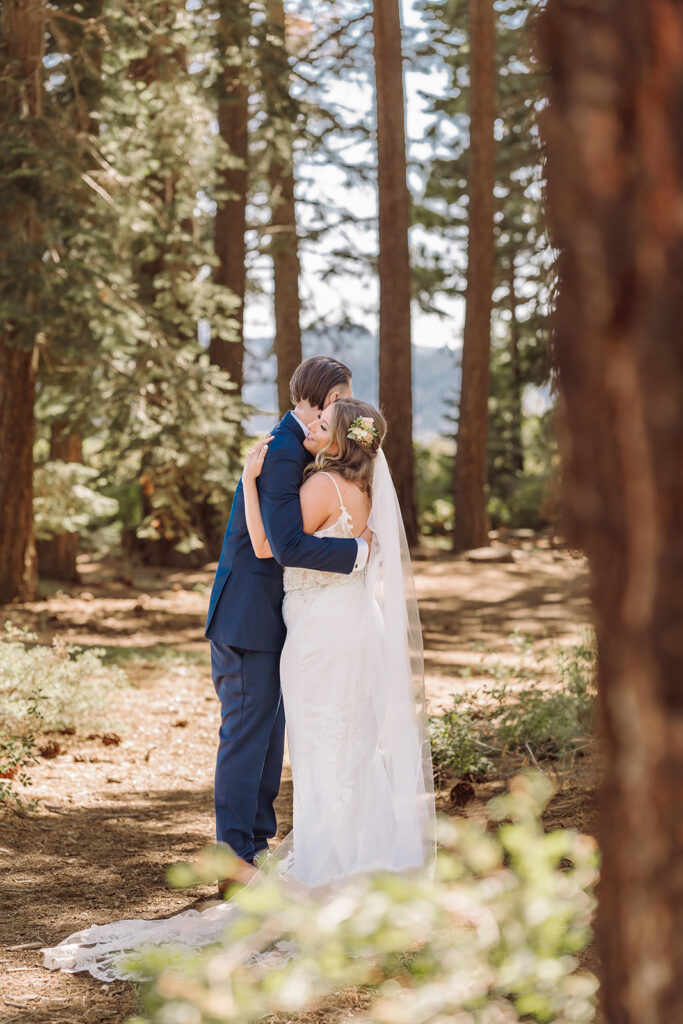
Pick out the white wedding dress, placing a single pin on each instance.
(346, 817)
(353, 689)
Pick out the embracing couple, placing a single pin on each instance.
(313, 626)
(315, 517)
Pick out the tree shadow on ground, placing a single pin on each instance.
(113, 857)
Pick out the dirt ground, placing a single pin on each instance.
(114, 815)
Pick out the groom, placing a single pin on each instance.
(244, 621)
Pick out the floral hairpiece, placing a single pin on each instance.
(363, 431)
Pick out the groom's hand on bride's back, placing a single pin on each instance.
(366, 535)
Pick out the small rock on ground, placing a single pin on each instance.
(500, 553)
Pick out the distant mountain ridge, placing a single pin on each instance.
(436, 377)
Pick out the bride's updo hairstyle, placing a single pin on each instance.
(356, 455)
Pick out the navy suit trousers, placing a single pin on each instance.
(250, 748)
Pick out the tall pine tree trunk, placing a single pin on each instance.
(286, 270)
(230, 223)
(395, 357)
(471, 521)
(231, 214)
(157, 61)
(57, 556)
(516, 379)
(615, 173)
(21, 96)
(284, 243)
(17, 431)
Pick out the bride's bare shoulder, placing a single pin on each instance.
(318, 483)
(318, 500)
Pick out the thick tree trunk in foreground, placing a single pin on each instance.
(395, 357)
(615, 167)
(231, 214)
(21, 93)
(284, 242)
(469, 474)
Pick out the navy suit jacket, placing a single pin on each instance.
(245, 609)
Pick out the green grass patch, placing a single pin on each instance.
(519, 711)
(160, 655)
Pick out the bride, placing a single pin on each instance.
(353, 690)
(359, 753)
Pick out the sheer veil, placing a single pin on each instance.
(394, 644)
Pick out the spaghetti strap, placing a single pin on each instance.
(341, 500)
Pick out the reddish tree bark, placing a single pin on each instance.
(284, 242)
(469, 474)
(22, 45)
(231, 214)
(516, 379)
(395, 355)
(57, 556)
(286, 271)
(17, 430)
(155, 62)
(615, 172)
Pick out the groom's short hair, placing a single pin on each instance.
(313, 380)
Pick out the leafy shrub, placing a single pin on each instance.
(64, 501)
(491, 939)
(17, 754)
(434, 487)
(437, 519)
(519, 712)
(456, 746)
(523, 503)
(56, 687)
(519, 499)
(528, 502)
(71, 681)
(547, 722)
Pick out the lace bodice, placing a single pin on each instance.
(306, 579)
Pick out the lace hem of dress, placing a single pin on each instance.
(110, 952)
(117, 951)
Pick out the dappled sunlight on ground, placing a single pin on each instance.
(470, 609)
(132, 794)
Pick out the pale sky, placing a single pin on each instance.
(358, 296)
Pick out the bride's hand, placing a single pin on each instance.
(253, 464)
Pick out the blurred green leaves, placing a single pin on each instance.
(490, 938)
(64, 501)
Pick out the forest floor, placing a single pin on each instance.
(123, 801)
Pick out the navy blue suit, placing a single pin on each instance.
(247, 633)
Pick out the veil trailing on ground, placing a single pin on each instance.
(394, 638)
